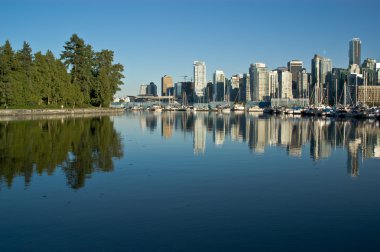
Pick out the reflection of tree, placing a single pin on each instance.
(80, 147)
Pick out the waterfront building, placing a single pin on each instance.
(209, 92)
(369, 95)
(321, 69)
(354, 52)
(285, 84)
(273, 84)
(294, 66)
(219, 86)
(178, 90)
(338, 86)
(302, 84)
(244, 88)
(353, 82)
(261, 88)
(199, 78)
(377, 76)
(151, 89)
(369, 63)
(143, 89)
(166, 83)
(234, 87)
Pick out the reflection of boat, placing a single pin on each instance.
(255, 109)
(268, 110)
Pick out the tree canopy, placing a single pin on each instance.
(80, 77)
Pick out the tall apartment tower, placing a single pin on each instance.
(219, 86)
(285, 84)
(294, 66)
(261, 90)
(166, 83)
(199, 78)
(354, 52)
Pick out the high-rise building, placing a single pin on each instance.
(143, 89)
(294, 66)
(369, 63)
(199, 78)
(261, 90)
(234, 85)
(302, 84)
(285, 84)
(338, 87)
(151, 89)
(244, 93)
(273, 84)
(178, 90)
(354, 52)
(321, 68)
(219, 85)
(166, 83)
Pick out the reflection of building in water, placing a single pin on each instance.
(353, 157)
(319, 145)
(199, 138)
(219, 130)
(167, 122)
(238, 127)
(289, 132)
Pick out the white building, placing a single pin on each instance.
(143, 89)
(199, 78)
(219, 86)
(285, 84)
(273, 84)
(261, 90)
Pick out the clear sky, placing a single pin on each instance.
(153, 38)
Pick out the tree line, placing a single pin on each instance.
(79, 77)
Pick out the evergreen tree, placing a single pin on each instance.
(78, 57)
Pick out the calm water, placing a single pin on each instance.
(189, 182)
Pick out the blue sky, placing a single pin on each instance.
(154, 38)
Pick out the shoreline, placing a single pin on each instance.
(76, 111)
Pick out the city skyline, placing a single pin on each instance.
(150, 45)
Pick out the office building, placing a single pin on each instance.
(151, 89)
(273, 84)
(143, 89)
(244, 88)
(166, 83)
(285, 84)
(302, 88)
(354, 52)
(294, 66)
(261, 90)
(199, 78)
(219, 86)
(321, 69)
(234, 87)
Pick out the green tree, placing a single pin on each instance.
(6, 68)
(79, 59)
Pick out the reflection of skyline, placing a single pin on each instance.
(361, 139)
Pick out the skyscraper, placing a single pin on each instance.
(302, 84)
(321, 69)
(199, 78)
(261, 90)
(294, 66)
(219, 86)
(285, 84)
(354, 52)
(273, 84)
(166, 83)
